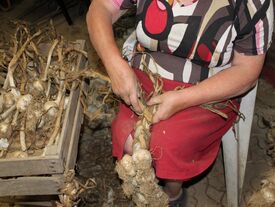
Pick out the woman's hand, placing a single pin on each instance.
(100, 17)
(229, 83)
(168, 104)
(125, 84)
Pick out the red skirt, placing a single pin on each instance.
(182, 146)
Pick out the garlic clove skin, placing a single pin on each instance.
(23, 102)
(38, 85)
(8, 100)
(142, 159)
(4, 127)
(4, 143)
(51, 108)
(269, 194)
(141, 155)
(127, 164)
(41, 123)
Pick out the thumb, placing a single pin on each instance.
(154, 100)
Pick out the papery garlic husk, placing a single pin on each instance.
(38, 85)
(146, 176)
(128, 188)
(4, 143)
(23, 102)
(33, 119)
(142, 158)
(269, 193)
(8, 100)
(41, 123)
(4, 129)
(140, 198)
(128, 165)
(51, 108)
(123, 175)
(19, 154)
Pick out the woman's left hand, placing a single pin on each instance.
(168, 104)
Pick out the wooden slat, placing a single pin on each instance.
(71, 155)
(69, 147)
(31, 186)
(31, 166)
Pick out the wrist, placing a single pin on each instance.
(189, 97)
(117, 67)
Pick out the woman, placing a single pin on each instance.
(213, 49)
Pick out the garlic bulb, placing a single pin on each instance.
(51, 108)
(23, 102)
(127, 164)
(38, 85)
(8, 99)
(4, 128)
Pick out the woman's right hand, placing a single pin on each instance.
(100, 17)
(124, 83)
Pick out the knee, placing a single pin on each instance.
(128, 147)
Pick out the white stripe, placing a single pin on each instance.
(219, 48)
(270, 17)
(187, 71)
(229, 48)
(175, 36)
(144, 40)
(186, 10)
(259, 37)
(156, 68)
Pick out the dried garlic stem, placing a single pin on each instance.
(7, 112)
(22, 137)
(57, 122)
(45, 73)
(15, 117)
(48, 88)
(13, 64)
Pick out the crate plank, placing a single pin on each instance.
(69, 147)
(31, 186)
(31, 166)
(71, 154)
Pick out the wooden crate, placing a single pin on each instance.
(44, 175)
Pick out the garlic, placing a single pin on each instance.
(142, 155)
(4, 127)
(38, 85)
(269, 193)
(23, 102)
(8, 99)
(51, 108)
(141, 198)
(4, 143)
(127, 164)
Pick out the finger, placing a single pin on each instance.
(156, 118)
(154, 100)
(126, 99)
(135, 103)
